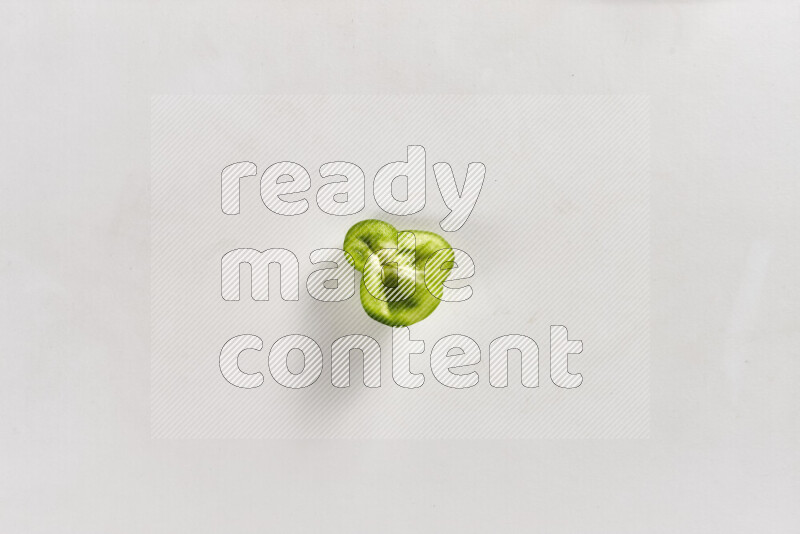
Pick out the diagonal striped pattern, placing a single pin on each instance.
(341, 351)
(461, 203)
(390, 275)
(259, 262)
(333, 284)
(273, 188)
(413, 169)
(403, 348)
(342, 197)
(279, 361)
(231, 184)
(561, 347)
(229, 361)
(452, 264)
(499, 353)
(559, 236)
(443, 358)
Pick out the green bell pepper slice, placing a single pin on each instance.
(394, 289)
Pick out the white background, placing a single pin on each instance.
(559, 236)
(75, 447)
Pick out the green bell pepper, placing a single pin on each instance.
(394, 289)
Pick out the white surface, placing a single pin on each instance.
(74, 376)
(560, 237)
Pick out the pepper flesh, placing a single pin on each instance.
(393, 265)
